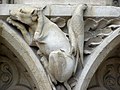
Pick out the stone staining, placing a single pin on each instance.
(116, 3)
(0, 1)
(6, 1)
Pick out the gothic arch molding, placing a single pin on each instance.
(26, 56)
(96, 58)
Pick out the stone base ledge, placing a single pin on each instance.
(66, 10)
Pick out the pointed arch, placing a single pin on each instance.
(25, 55)
(96, 58)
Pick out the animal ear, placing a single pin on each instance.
(44, 8)
(22, 11)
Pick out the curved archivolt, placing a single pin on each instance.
(96, 58)
(12, 39)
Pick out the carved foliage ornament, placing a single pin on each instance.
(6, 76)
(12, 75)
(110, 78)
(96, 31)
(108, 75)
(9, 75)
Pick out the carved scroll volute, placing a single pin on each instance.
(107, 77)
(8, 73)
(109, 74)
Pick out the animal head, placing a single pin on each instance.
(26, 15)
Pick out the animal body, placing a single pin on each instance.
(55, 47)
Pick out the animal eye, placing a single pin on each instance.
(62, 50)
(22, 11)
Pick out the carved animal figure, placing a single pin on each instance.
(22, 18)
(54, 44)
(76, 33)
(56, 48)
(50, 39)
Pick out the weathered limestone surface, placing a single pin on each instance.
(63, 44)
(96, 58)
(45, 2)
(59, 54)
(13, 74)
(13, 40)
(53, 10)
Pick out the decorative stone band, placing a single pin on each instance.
(66, 10)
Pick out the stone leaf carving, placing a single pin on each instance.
(61, 22)
(96, 31)
(60, 54)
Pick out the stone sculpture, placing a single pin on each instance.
(96, 31)
(27, 17)
(76, 33)
(12, 78)
(60, 54)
